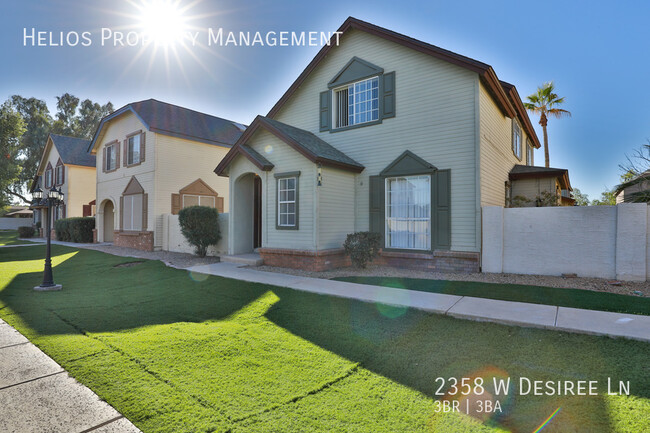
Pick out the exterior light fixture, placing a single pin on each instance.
(319, 176)
(54, 198)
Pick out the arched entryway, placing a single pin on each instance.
(247, 214)
(109, 221)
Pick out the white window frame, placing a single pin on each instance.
(132, 226)
(517, 139)
(529, 152)
(287, 202)
(113, 157)
(358, 99)
(388, 235)
(130, 144)
(200, 200)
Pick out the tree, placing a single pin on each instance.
(581, 198)
(607, 198)
(636, 172)
(544, 102)
(66, 120)
(90, 114)
(12, 128)
(37, 125)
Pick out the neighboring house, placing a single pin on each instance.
(18, 212)
(155, 158)
(66, 164)
(631, 193)
(539, 186)
(382, 133)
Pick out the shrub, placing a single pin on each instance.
(26, 231)
(75, 229)
(362, 247)
(200, 226)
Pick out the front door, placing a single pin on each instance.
(109, 222)
(257, 212)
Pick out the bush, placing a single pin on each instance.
(362, 247)
(75, 229)
(200, 226)
(26, 231)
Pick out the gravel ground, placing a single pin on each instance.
(596, 284)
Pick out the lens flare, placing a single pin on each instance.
(197, 276)
(163, 22)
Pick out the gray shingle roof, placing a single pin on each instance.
(319, 149)
(534, 170)
(182, 122)
(73, 150)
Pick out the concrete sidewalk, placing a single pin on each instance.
(37, 395)
(630, 326)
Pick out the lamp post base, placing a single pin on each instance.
(48, 288)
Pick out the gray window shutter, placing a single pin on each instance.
(442, 210)
(376, 206)
(325, 111)
(389, 95)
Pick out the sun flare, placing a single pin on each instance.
(163, 21)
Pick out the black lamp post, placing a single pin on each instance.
(54, 198)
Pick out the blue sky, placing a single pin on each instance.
(597, 53)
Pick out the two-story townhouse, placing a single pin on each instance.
(385, 133)
(155, 158)
(67, 165)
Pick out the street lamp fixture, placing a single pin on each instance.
(52, 199)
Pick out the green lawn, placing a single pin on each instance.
(10, 237)
(178, 352)
(574, 298)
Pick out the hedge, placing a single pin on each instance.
(75, 229)
(26, 231)
(200, 226)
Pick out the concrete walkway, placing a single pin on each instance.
(37, 395)
(630, 326)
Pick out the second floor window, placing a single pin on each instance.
(59, 174)
(516, 139)
(133, 150)
(529, 153)
(111, 157)
(48, 178)
(357, 103)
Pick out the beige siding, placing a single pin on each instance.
(180, 162)
(336, 206)
(497, 157)
(435, 119)
(81, 188)
(111, 185)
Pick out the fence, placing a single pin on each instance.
(590, 241)
(14, 223)
(173, 240)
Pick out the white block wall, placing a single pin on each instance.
(590, 241)
(173, 240)
(14, 223)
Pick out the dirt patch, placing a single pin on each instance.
(129, 264)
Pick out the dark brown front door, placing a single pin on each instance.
(257, 212)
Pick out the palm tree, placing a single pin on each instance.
(544, 102)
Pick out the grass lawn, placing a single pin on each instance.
(10, 237)
(177, 352)
(574, 298)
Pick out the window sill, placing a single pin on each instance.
(358, 125)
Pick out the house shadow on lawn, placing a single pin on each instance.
(415, 348)
(99, 295)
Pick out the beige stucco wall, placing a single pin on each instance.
(81, 188)
(111, 185)
(180, 162)
(496, 155)
(435, 119)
